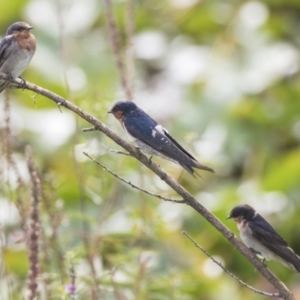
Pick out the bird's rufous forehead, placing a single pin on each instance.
(115, 108)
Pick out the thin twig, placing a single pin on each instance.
(131, 184)
(115, 43)
(120, 152)
(89, 129)
(129, 37)
(229, 273)
(190, 200)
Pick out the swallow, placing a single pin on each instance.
(16, 50)
(151, 137)
(261, 237)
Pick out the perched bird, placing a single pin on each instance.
(151, 137)
(16, 50)
(262, 238)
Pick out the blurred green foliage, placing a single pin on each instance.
(222, 76)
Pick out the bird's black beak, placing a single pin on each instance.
(109, 112)
(31, 27)
(229, 217)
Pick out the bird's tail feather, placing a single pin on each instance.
(195, 164)
(198, 165)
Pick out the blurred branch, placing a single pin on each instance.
(115, 43)
(190, 200)
(7, 151)
(131, 184)
(229, 273)
(129, 35)
(34, 227)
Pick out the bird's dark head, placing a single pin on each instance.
(18, 27)
(122, 109)
(242, 212)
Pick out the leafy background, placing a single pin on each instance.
(222, 77)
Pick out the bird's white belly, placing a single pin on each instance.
(21, 63)
(250, 242)
(16, 64)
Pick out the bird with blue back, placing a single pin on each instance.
(152, 138)
(262, 238)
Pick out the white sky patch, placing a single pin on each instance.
(161, 101)
(118, 223)
(171, 214)
(76, 78)
(222, 82)
(95, 147)
(209, 200)
(16, 122)
(78, 152)
(121, 276)
(9, 174)
(149, 258)
(187, 63)
(211, 142)
(42, 14)
(183, 4)
(150, 45)
(46, 61)
(77, 15)
(263, 202)
(54, 128)
(9, 214)
(267, 65)
(253, 14)
(211, 269)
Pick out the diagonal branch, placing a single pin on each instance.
(131, 184)
(190, 200)
(229, 273)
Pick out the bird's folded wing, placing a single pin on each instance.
(5, 45)
(272, 240)
(265, 233)
(155, 139)
(179, 146)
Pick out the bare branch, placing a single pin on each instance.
(131, 184)
(229, 273)
(190, 200)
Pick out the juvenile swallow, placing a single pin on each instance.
(16, 50)
(262, 238)
(151, 137)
